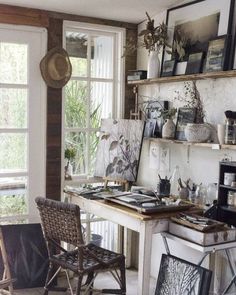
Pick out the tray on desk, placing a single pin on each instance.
(147, 204)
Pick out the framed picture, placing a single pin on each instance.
(178, 276)
(195, 63)
(216, 59)
(168, 68)
(150, 126)
(196, 23)
(153, 113)
(185, 116)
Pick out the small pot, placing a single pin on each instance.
(197, 132)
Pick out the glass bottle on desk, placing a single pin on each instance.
(174, 182)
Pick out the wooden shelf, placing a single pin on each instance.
(182, 78)
(213, 146)
(232, 188)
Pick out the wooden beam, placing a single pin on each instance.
(23, 16)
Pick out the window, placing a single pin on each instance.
(22, 121)
(95, 89)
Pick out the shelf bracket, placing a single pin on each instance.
(136, 115)
(188, 153)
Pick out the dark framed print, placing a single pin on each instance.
(153, 112)
(179, 277)
(195, 63)
(185, 116)
(217, 57)
(150, 126)
(196, 23)
(168, 68)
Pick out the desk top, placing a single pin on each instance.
(77, 199)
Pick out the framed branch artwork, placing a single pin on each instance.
(181, 277)
(119, 149)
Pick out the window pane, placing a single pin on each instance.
(93, 142)
(102, 57)
(13, 108)
(101, 102)
(13, 196)
(76, 46)
(76, 104)
(13, 151)
(78, 141)
(13, 60)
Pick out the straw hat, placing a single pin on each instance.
(56, 67)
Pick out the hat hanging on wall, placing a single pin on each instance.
(56, 67)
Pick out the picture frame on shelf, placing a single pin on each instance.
(168, 69)
(149, 129)
(153, 112)
(185, 116)
(196, 23)
(195, 63)
(217, 54)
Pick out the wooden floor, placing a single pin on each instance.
(103, 281)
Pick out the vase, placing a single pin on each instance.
(153, 68)
(168, 129)
(197, 132)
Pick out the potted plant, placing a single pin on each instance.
(153, 39)
(198, 131)
(168, 129)
(70, 154)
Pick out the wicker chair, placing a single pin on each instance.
(61, 223)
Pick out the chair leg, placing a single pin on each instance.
(79, 284)
(49, 275)
(123, 278)
(89, 279)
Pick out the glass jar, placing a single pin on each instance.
(230, 131)
(211, 193)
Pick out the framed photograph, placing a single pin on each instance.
(185, 116)
(216, 59)
(153, 113)
(195, 63)
(196, 23)
(168, 68)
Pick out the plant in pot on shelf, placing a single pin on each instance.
(153, 39)
(70, 154)
(168, 129)
(198, 131)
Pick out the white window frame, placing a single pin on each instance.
(35, 155)
(118, 79)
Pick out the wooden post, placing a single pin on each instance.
(6, 281)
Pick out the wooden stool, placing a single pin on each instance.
(6, 281)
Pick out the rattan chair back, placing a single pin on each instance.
(60, 221)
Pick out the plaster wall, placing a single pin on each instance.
(201, 165)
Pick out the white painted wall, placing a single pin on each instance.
(218, 96)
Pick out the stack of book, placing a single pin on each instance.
(136, 75)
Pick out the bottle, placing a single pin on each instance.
(174, 182)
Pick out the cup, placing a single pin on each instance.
(229, 178)
(221, 133)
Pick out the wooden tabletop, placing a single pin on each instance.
(128, 211)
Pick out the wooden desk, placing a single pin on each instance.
(145, 225)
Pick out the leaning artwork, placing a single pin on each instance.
(119, 149)
(180, 277)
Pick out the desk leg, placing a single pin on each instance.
(145, 247)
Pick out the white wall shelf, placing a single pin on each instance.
(213, 146)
